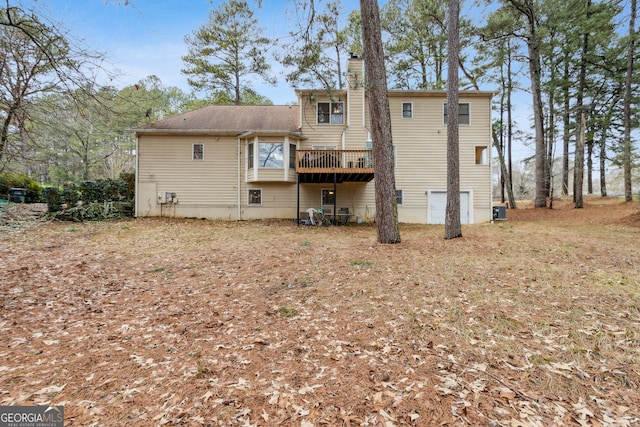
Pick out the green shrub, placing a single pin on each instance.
(129, 182)
(71, 195)
(96, 200)
(14, 180)
(53, 197)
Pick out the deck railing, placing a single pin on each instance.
(334, 161)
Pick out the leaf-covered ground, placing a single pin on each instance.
(533, 321)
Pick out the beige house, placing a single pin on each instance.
(257, 162)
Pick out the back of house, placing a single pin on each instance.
(258, 162)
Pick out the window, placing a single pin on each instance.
(271, 155)
(255, 197)
(292, 156)
(481, 155)
(331, 113)
(198, 152)
(407, 110)
(250, 156)
(399, 197)
(328, 197)
(395, 156)
(463, 114)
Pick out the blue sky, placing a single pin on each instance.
(147, 36)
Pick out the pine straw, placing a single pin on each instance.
(530, 321)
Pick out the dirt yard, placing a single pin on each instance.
(532, 321)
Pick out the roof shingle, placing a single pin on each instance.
(231, 118)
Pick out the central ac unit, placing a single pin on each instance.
(499, 213)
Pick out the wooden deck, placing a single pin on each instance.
(341, 165)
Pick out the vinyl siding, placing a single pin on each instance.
(278, 201)
(206, 188)
(421, 148)
(322, 134)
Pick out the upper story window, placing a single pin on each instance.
(463, 113)
(331, 113)
(271, 155)
(407, 110)
(198, 152)
(482, 155)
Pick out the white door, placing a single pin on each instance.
(438, 207)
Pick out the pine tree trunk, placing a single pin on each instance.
(376, 83)
(581, 130)
(566, 136)
(452, 226)
(590, 164)
(603, 157)
(626, 147)
(503, 168)
(579, 166)
(509, 159)
(528, 9)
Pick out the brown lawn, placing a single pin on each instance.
(530, 321)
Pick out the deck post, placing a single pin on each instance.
(335, 198)
(298, 202)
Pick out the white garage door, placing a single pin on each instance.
(438, 207)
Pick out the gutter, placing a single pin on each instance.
(137, 189)
(212, 132)
(239, 215)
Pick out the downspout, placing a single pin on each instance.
(489, 158)
(239, 214)
(348, 124)
(364, 106)
(137, 187)
(364, 117)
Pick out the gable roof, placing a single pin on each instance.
(229, 120)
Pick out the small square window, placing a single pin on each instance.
(399, 197)
(255, 197)
(331, 112)
(482, 157)
(328, 197)
(407, 110)
(463, 114)
(198, 152)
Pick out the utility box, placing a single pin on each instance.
(499, 213)
(167, 197)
